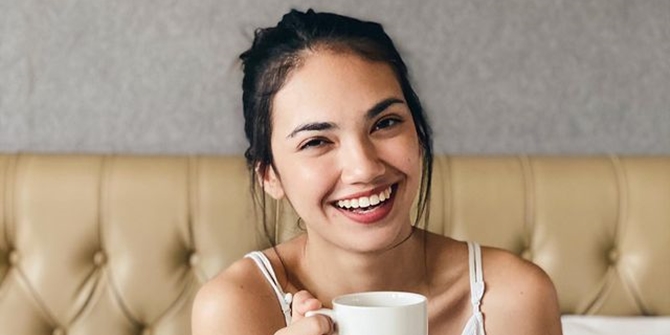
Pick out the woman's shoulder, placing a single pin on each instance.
(504, 270)
(235, 300)
(518, 294)
(507, 273)
(519, 297)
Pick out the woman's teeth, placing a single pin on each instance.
(364, 202)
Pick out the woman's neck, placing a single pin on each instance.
(327, 271)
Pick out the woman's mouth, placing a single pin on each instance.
(366, 203)
(368, 209)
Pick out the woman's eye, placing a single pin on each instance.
(386, 123)
(317, 142)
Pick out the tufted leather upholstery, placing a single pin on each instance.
(120, 244)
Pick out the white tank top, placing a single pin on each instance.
(474, 326)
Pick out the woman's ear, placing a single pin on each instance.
(270, 182)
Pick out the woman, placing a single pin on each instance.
(336, 129)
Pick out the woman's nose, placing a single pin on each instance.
(361, 163)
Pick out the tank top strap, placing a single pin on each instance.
(476, 323)
(265, 266)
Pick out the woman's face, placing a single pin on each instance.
(346, 151)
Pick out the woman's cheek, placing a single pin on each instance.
(313, 173)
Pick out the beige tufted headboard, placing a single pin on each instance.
(120, 244)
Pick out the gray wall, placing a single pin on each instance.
(496, 76)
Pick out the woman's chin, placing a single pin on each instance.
(376, 241)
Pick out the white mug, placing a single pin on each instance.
(378, 313)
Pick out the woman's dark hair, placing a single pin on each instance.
(277, 51)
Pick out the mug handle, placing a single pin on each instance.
(323, 311)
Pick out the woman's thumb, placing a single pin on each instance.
(303, 302)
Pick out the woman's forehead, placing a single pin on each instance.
(328, 82)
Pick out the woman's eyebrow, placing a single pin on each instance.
(370, 114)
(312, 126)
(381, 106)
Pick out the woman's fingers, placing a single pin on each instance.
(313, 325)
(303, 302)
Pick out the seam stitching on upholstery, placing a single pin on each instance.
(174, 307)
(17, 267)
(116, 295)
(193, 180)
(21, 276)
(605, 286)
(10, 198)
(102, 210)
(612, 272)
(629, 283)
(624, 201)
(90, 300)
(447, 229)
(5, 194)
(529, 201)
(8, 217)
(192, 186)
(96, 276)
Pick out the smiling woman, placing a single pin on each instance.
(335, 128)
(364, 143)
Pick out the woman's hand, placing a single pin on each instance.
(318, 324)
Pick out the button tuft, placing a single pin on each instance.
(193, 259)
(526, 254)
(613, 256)
(99, 258)
(147, 331)
(58, 331)
(14, 257)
